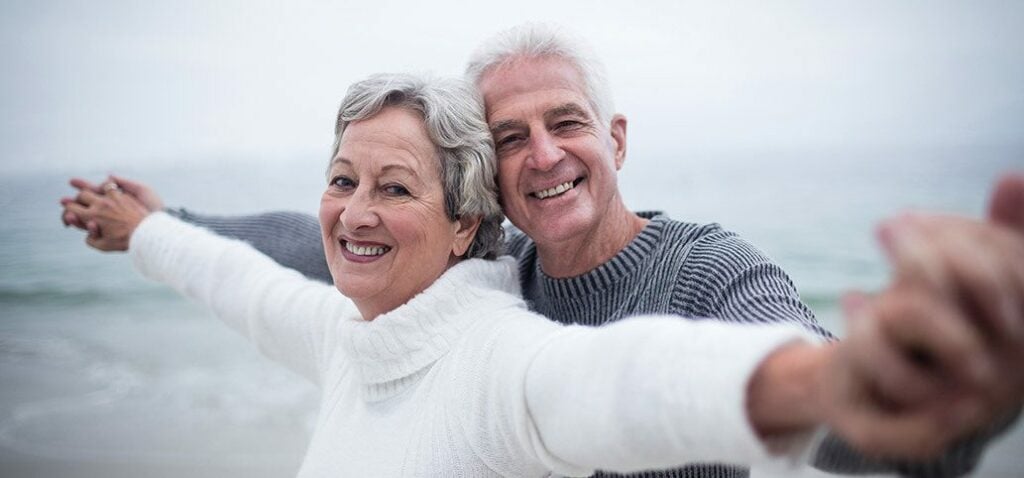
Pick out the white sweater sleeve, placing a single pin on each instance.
(651, 393)
(290, 319)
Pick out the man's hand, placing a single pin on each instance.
(108, 212)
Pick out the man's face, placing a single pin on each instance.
(557, 160)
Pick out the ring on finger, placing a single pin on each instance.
(110, 186)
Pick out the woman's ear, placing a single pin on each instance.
(465, 232)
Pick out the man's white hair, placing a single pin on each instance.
(539, 40)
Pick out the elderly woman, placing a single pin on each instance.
(430, 363)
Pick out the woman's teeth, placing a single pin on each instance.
(555, 191)
(366, 251)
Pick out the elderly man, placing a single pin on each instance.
(585, 258)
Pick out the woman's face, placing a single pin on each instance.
(383, 220)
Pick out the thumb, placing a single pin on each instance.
(1006, 207)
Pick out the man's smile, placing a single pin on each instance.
(556, 190)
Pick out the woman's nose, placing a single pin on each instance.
(359, 212)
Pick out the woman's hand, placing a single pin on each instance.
(109, 212)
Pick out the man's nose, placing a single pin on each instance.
(545, 152)
(360, 211)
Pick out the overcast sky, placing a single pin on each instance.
(106, 83)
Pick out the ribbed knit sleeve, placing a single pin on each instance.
(291, 239)
(290, 319)
(651, 392)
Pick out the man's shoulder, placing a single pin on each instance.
(669, 239)
(678, 235)
(705, 252)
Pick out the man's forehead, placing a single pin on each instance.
(527, 75)
(532, 87)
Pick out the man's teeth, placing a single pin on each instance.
(366, 251)
(555, 191)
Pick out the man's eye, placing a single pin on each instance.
(568, 124)
(343, 182)
(508, 141)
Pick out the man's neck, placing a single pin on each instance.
(587, 252)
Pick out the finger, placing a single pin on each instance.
(67, 217)
(83, 185)
(146, 196)
(933, 334)
(88, 197)
(920, 434)
(80, 211)
(95, 243)
(71, 219)
(94, 229)
(129, 186)
(912, 256)
(984, 264)
(1006, 206)
(898, 380)
(968, 262)
(110, 187)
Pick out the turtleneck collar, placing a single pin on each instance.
(391, 351)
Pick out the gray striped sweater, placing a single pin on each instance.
(691, 270)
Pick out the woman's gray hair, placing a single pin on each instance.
(453, 114)
(538, 40)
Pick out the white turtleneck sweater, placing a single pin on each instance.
(463, 380)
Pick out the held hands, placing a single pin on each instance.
(939, 354)
(109, 212)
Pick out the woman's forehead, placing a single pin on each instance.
(393, 136)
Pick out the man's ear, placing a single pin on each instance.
(618, 133)
(465, 232)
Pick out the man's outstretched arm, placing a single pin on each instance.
(291, 239)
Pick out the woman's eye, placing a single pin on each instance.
(396, 190)
(343, 182)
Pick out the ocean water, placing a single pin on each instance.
(106, 374)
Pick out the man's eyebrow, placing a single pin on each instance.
(339, 159)
(567, 109)
(505, 125)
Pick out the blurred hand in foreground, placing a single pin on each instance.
(938, 355)
(109, 212)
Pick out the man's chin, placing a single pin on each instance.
(555, 230)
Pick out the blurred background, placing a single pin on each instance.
(797, 124)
